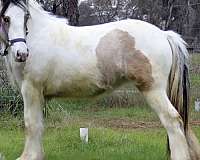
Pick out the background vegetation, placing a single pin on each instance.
(121, 125)
(181, 16)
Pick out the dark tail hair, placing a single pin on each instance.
(178, 89)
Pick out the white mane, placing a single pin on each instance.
(45, 15)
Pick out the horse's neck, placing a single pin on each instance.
(40, 19)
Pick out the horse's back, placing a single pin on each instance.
(148, 38)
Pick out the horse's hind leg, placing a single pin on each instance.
(171, 120)
(33, 101)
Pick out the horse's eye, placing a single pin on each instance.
(6, 19)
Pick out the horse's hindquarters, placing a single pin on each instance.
(118, 58)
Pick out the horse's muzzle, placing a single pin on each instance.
(21, 57)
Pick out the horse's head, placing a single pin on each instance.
(13, 19)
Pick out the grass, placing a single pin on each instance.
(107, 143)
(87, 109)
(128, 132)
(64, 143)
(195, 80)
(194, 59)
(106, 140)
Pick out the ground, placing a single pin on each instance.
(116, 131)
(132, 133)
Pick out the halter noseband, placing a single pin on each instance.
(8, 42)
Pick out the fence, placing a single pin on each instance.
(193, 44)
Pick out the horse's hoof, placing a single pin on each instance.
(29, 157)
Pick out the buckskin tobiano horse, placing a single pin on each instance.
(47, 58)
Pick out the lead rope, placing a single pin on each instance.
(27, 16)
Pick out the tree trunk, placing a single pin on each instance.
(72, 12)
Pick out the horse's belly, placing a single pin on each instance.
(88, 83)
(75, 88)
(75, 80)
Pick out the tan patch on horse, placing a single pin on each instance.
(119, 59)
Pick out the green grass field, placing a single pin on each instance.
(128, 132)
(64, 143)
(114, 134)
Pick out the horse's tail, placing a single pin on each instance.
(178, 88)
(178, 84)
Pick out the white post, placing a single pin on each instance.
(2, 157)
(84, 134)
(197, 105)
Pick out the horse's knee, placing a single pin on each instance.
(161, 104)
(33, 129)
(31, 94)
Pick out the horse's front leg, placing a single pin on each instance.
(33, 102)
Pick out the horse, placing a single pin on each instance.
(47, 58)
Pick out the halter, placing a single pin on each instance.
(8, 42)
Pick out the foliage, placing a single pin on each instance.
(181, 16)
(10, 99)
(125, 97)
(65, 8)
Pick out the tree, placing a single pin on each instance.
(72, 12)
(66, 8)
(181, 16)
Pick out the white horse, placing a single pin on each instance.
(55, 59)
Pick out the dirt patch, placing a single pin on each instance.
(127, 124)
(124, 123)
(113, 123)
